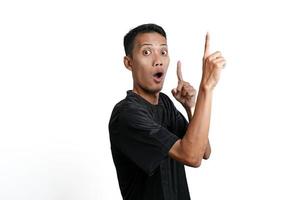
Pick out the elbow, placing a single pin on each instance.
(193, 157)
(194, 162)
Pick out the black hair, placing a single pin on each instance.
(144, 28)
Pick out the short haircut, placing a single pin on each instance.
(144, 28)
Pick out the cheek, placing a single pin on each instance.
(142, 65)
(139, 72)
(142, 61)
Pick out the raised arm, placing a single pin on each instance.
(208, 148)
(194, 146)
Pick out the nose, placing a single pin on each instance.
(157, 64)
(157, 61)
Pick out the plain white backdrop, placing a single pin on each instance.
(61, 73)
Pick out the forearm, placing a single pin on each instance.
(207, 153)
(194, 146)
(195, 142)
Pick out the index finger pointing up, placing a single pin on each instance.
(207, 44)
(179, 73)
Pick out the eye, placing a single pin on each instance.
(164, 52)
(146, 52)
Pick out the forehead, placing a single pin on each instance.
(149, 38)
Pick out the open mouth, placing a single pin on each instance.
(158, 75)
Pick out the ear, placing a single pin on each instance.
(128, 62)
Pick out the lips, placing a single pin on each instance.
(158, 76)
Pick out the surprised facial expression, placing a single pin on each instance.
(149, 62)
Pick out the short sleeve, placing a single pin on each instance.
(141, 139)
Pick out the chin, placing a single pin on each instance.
(153, 90)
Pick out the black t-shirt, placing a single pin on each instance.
(141, 135)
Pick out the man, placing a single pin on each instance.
(151, 141)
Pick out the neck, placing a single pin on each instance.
(150, 97)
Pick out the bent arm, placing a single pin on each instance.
(194, 146)
(208, 148)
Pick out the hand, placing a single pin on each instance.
(184, 93)
(212, 66)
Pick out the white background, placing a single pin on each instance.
(61, 73)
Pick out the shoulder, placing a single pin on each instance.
(164, 96)
(131, 104)
(166, 101)
(127, 111)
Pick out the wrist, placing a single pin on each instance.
(188, 108)
(205, 89)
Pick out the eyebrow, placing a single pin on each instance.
(146, 44)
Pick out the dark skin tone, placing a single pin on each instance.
(149, 63)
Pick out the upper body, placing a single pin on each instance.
(150, 139)
(141, 136)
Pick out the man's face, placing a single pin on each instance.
(149, 62)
